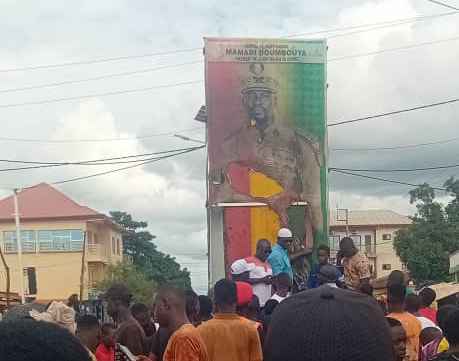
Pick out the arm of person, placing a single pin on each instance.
(245, 277)
(255, 352)
(300, 253)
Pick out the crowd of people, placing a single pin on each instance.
(256, 314)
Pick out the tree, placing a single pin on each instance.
(141, 287)
(426, 244)
(138, 245)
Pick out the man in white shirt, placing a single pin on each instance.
(256, 271)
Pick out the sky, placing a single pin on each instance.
(170, 194)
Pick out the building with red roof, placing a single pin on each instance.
(58, 237)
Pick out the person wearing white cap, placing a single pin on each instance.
(256, 271)
(279, 258)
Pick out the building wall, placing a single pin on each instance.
(58, 273)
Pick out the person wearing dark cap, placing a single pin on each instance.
(356, 265)
(328, 275)
(129, 333)
(396, 294)
(326, 324)
(228, 336)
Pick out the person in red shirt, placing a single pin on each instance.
(106, 349)
(428, 296)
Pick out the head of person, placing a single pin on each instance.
(244, 293)
(142, 314)
(396, 277)
(399, 338)
(205, 308)
(284, 238)
(263, 250)
(323, 254)
(429, 334)
(192, 307)
(412, 303)
(428, 296)
(396, 297)
(225, 296)
(258, 96)
(118, 298)
(88, 331)
(170, 305)
(282, 284)
(270, 306)
(30, 340)
(253, 308)
(107, 335)
(451, 330)
(340, 319)
(443, 314)
(73, 302)
(347, 247)
(240, 270)
(327, 274)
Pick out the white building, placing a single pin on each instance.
(373, 232)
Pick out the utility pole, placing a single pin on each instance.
(8, 282)
(19, 245)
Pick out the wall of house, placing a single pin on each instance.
(387, 259)
(58, 273)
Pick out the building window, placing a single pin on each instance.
(28, 241)
(386, 267)
(118, 246)
(334, 243)
(30, 281)
(60, 240)
(113, 245)
(386, 237)
(368, 246)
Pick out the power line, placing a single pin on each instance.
(382, 179)
(124, 168)
(382, 23)
(101, 77)
(395, 147)
(97, 162)
(443, 4)
(393, 112)
(98, 139)
(98, 61)
(398, 170)
(116, 92)
(128, 57)
(377, 52)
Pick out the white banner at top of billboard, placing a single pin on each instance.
(265, 50)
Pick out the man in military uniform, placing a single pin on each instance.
(270, 146)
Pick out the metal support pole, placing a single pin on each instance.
(19, 246)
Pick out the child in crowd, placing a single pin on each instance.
(282, 285)
(106, 349)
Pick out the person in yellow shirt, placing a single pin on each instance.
(396, 298)
(227, 336)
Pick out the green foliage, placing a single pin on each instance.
(141, 287)
(426, 244)
(138, 245)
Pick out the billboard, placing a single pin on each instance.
(267, 135)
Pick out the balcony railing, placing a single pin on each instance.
(98, 253)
